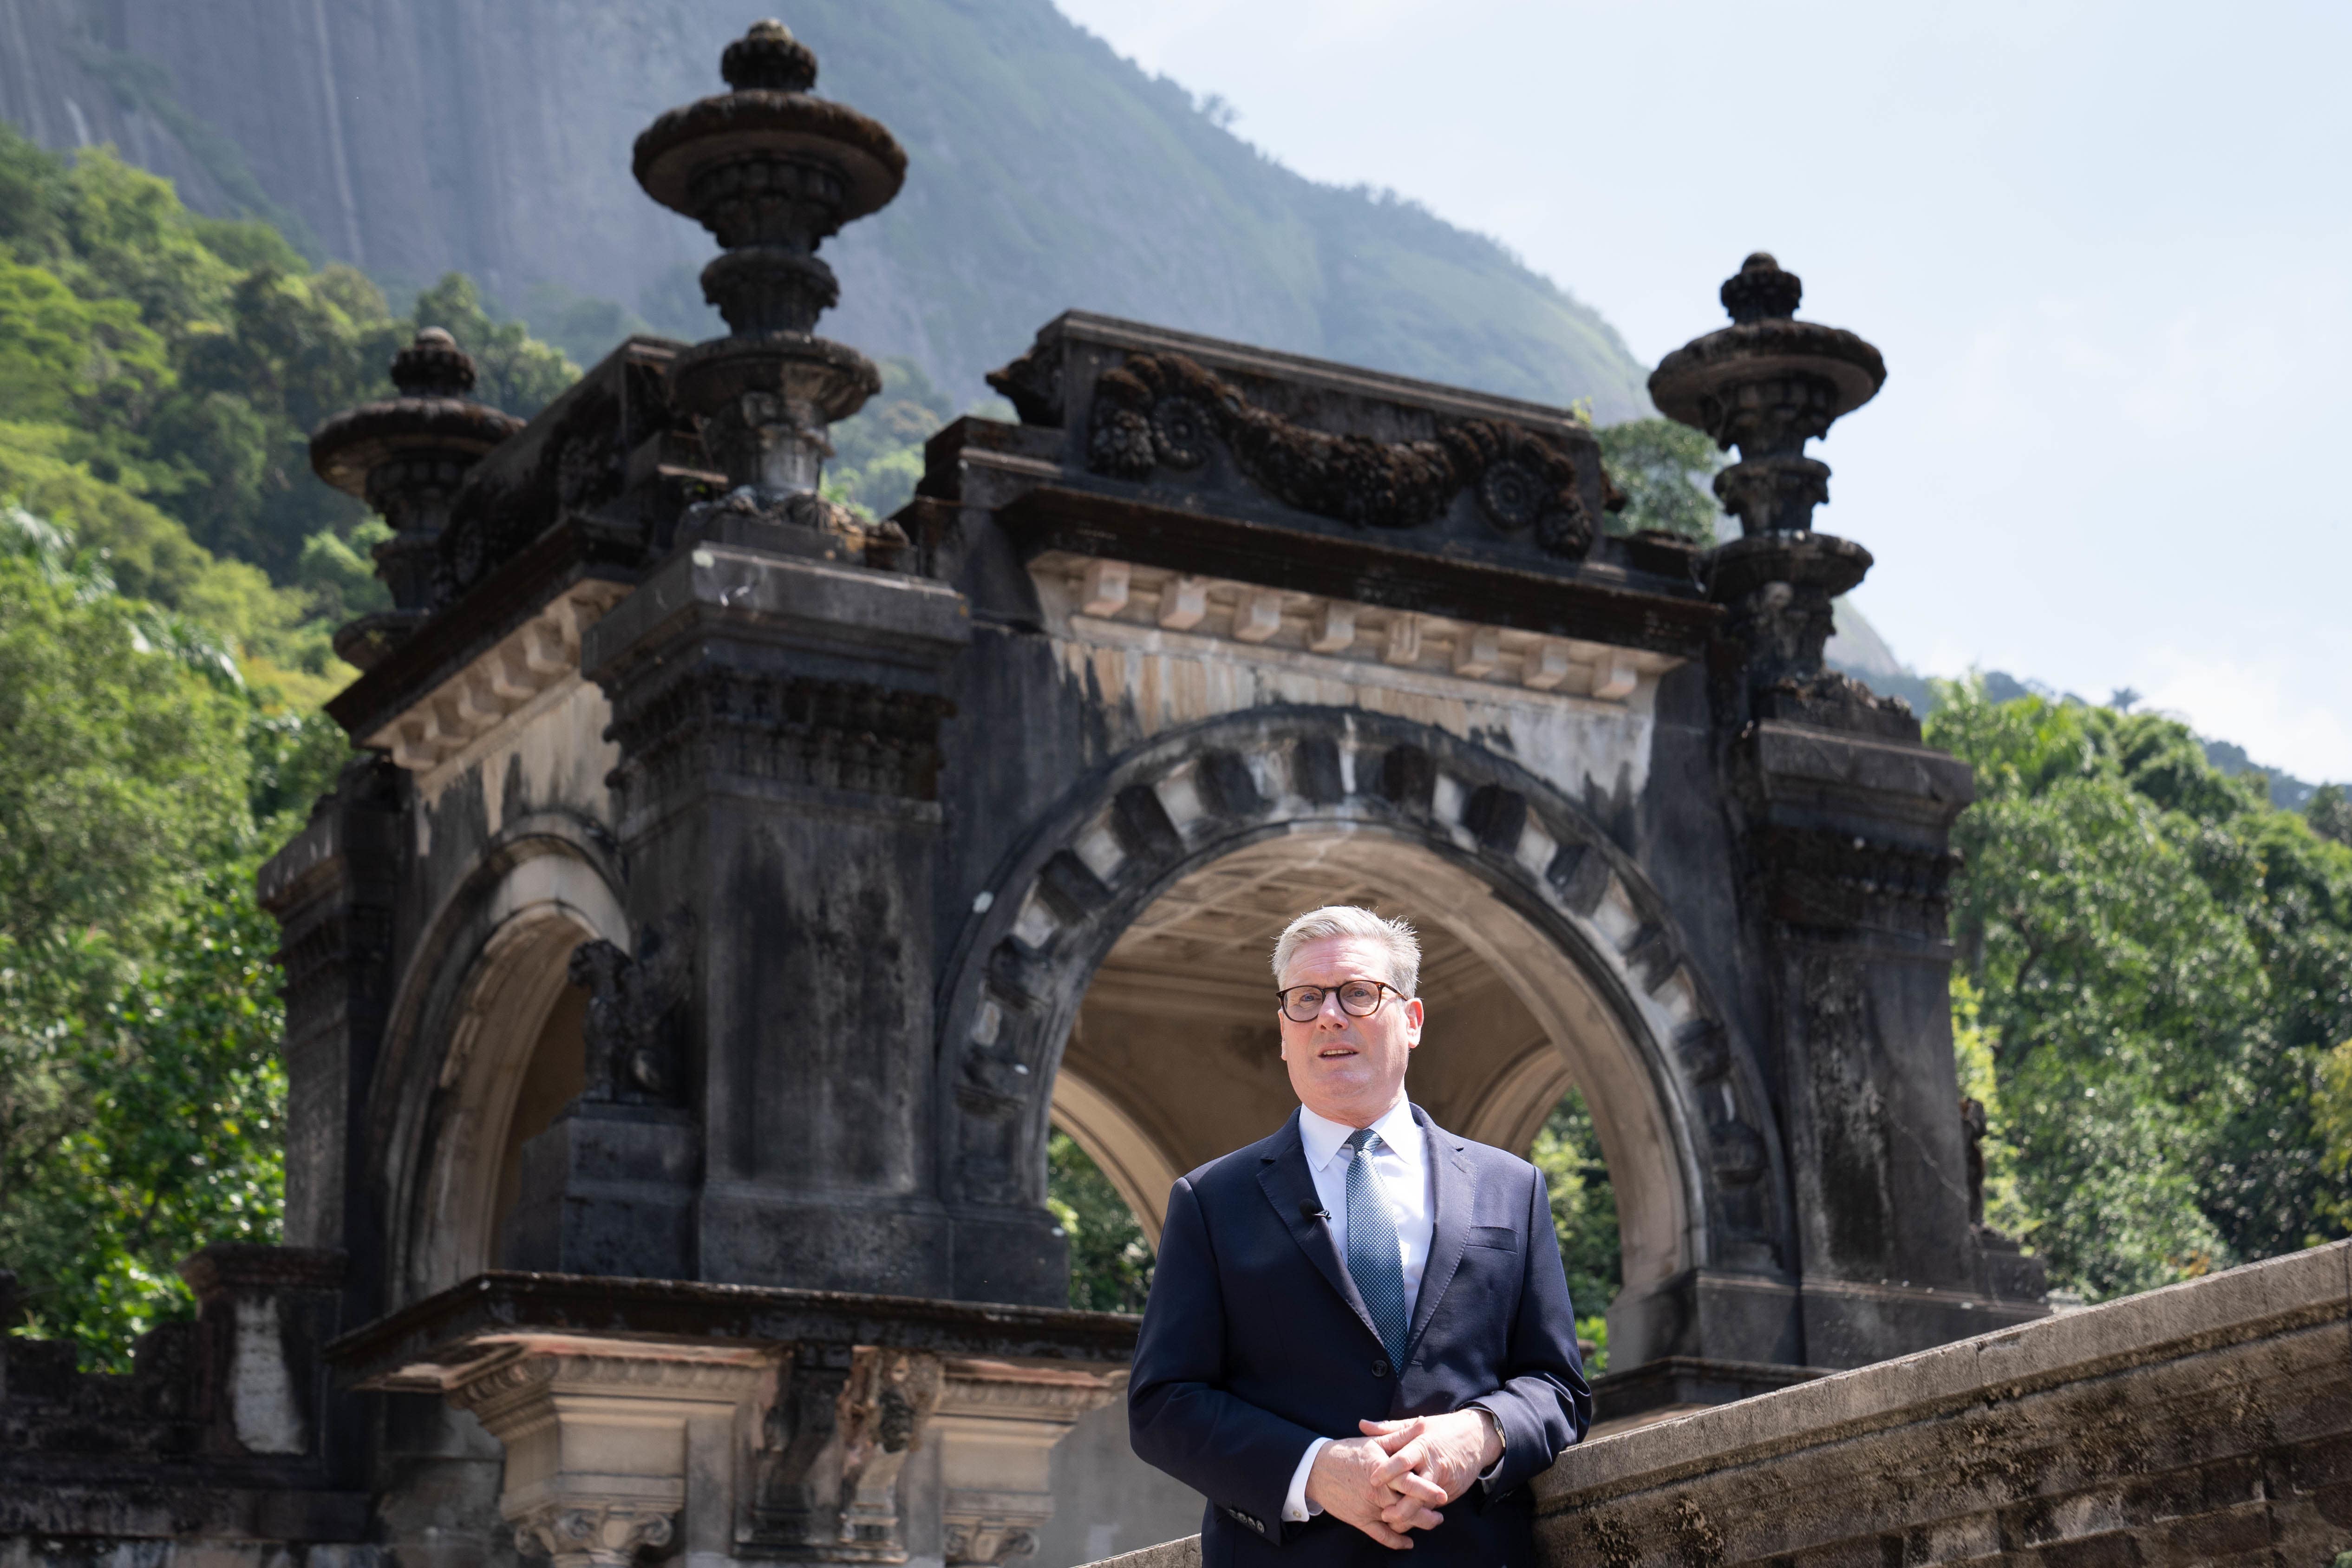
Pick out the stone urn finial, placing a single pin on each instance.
(772, 172)
(1760, 290)
(433, 365)
(1768, 383)
(767, 58)
(405, 456)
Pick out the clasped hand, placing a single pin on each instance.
(1396, 1477)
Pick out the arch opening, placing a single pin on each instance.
(1171, 1059)
(512, 1057)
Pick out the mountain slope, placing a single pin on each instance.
(492, 136)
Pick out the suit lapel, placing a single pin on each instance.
(1291, 1187)
(1452, 1187)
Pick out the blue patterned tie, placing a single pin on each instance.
(1373, 1259)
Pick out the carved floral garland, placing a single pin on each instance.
(1163, 410)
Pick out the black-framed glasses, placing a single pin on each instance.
(1357, 999)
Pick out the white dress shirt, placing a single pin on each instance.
(1400, 1172)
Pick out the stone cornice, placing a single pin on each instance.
(1597, 601)
(1121, 603)
(410, 1348)
(574, 550)
(472, 701)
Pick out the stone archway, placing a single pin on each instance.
(1495, 854)
(1171, 1061)
(491, 1043)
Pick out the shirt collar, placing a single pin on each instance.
(1323, 1137)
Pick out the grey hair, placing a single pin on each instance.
(1395, 937)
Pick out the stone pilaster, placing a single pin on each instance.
(777, 717)
(331, 892)
(997, 1426)
(614, 1448)
(621, 1449)
(756, 1424)
(1847, 820)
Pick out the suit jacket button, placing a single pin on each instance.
(1381, 1368)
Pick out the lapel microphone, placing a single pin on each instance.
(1308, 1209)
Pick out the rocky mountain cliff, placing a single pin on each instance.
(492, 136)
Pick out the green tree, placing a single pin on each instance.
(186, 360)
(2329, 813)
(1111, 1262)
(1583, 1214)
(1664, 469)
(121, 768)
(2158, 960)
(339, 573)
(157, 1129)
(66, 358)
(140, 1098)
(170, 571)
(878, 453)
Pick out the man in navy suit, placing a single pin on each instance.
(1359, 1328)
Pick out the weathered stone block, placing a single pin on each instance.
(609, 1189)
(2151, 1429)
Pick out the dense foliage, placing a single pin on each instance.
(1583, 1214)
(170, 573)
(160, 375)
(1110, 1261)
(2155, 978)
(141, 775)
(877, 455)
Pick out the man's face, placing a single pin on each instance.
(1349, 1070)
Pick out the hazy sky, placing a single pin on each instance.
(2105, 248)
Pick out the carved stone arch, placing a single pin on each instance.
(1684, 1117)
(465, 1019)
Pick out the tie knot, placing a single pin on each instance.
(1363, 1140)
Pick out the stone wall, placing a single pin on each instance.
(2208, 1422)
(220, 1446)
(2211, 1422)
